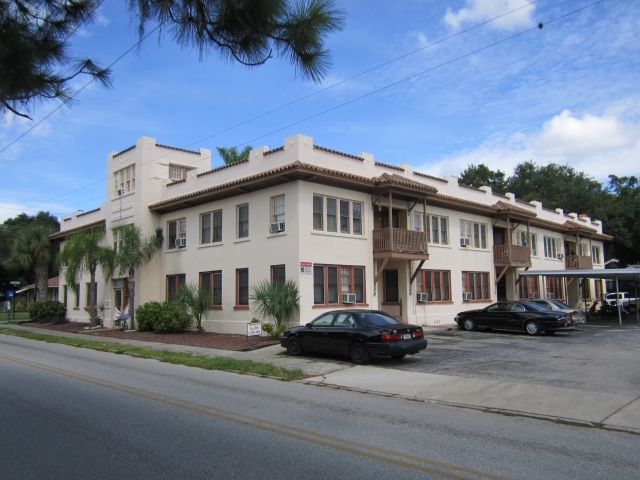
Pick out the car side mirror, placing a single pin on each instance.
(309, 325)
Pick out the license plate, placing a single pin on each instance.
(406, 336)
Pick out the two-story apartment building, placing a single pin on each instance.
(351, 231)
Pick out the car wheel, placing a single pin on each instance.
(551, 332)
(532, 328)
(294, 346)
(359, 354)
(469, 324)
(398, 357)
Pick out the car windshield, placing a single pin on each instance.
(532, 307)
(560, 304)
(376, 319)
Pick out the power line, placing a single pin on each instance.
(393, 84)
(317, 92)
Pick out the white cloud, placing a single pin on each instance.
(483, 10)
(597, 145)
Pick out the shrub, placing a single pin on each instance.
(46, 308)
(174, 319)
(275, 331)
(147, 315)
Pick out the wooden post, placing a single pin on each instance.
(391, 221)
(426, 224)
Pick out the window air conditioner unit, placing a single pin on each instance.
(348, 298)
(560, 256)
(277, 227)
(467, 296)
(120, 191)
(181, 242)
(423, 297)
(549, 296)
(533, 295)
(464, 242)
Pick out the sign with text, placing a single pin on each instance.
(9, 293)
(306, 268)
(254, 329)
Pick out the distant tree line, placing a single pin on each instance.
(617, 204)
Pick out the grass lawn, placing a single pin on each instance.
(208, 363)
(19, 316)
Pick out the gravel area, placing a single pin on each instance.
(221, 341)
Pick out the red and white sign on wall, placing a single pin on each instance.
(305, 268)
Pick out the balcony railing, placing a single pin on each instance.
(573, 262)
(511, 255)
(404, 241)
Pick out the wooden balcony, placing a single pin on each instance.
(577, 262)
(400, 243)
(511, 256)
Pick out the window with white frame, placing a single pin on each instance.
(177, 230)
(520, 237)
(117, 240)
(438, 229)
(551, 246)
(475, 233)
(583, 249)
(125, 180)
(277, 209)
(243, 221)
(330, 213)
(211, 227)
(534, 244)
(417, 222)
(595, 254)
(177, 173)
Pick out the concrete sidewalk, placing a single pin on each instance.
(596, 409)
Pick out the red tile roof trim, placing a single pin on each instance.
(386, 165)
(176, 182)
(179, 149)
(63, 233)
(124, 151)
(506, 207)
(222, 167)
(336, 152)
(420, 174)
(90, 211)
(470, 187)
(273, 150)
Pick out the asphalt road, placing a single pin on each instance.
(74, 413)
(593, 357)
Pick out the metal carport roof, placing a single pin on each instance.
(605, 274)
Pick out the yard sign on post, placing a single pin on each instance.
(254, 330)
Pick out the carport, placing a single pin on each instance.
(616, 274)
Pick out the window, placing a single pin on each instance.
(277, 209)
(435, 283)
(438, 229)
(125, 180)
(534, 244)
(174, 284)
(318, 212)
(527, 286)
(242, 289)
(331, 281)
(177, 229)
(476, 233)
(77, 302)
(599, 288)
(117, 240)
(555, 286)
(595, 254)
(477, 284)
(391, 292)
(278, 275)
(346, 213)
(583, 250)
(177, 173)
(344, 216)
(243, 221)
(417, 222)
(551, 247)
(213, 280)
(120, 294)
(211, 227)
(95, 284)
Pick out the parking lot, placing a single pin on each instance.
(596, 357)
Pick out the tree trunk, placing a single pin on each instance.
(42, 283)
(131, 287)
(93, 314)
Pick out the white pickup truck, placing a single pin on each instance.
(627, 301)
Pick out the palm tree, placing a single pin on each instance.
(280, 301)
(233, 155)
(134, 252)
(196, 300)
(33, 249)
(82, 252)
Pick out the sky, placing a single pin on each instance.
(438, 84)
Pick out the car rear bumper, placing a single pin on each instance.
(402, 347)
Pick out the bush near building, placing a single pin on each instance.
(162, 318)
(47, 310)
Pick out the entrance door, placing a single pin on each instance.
(501, 288)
